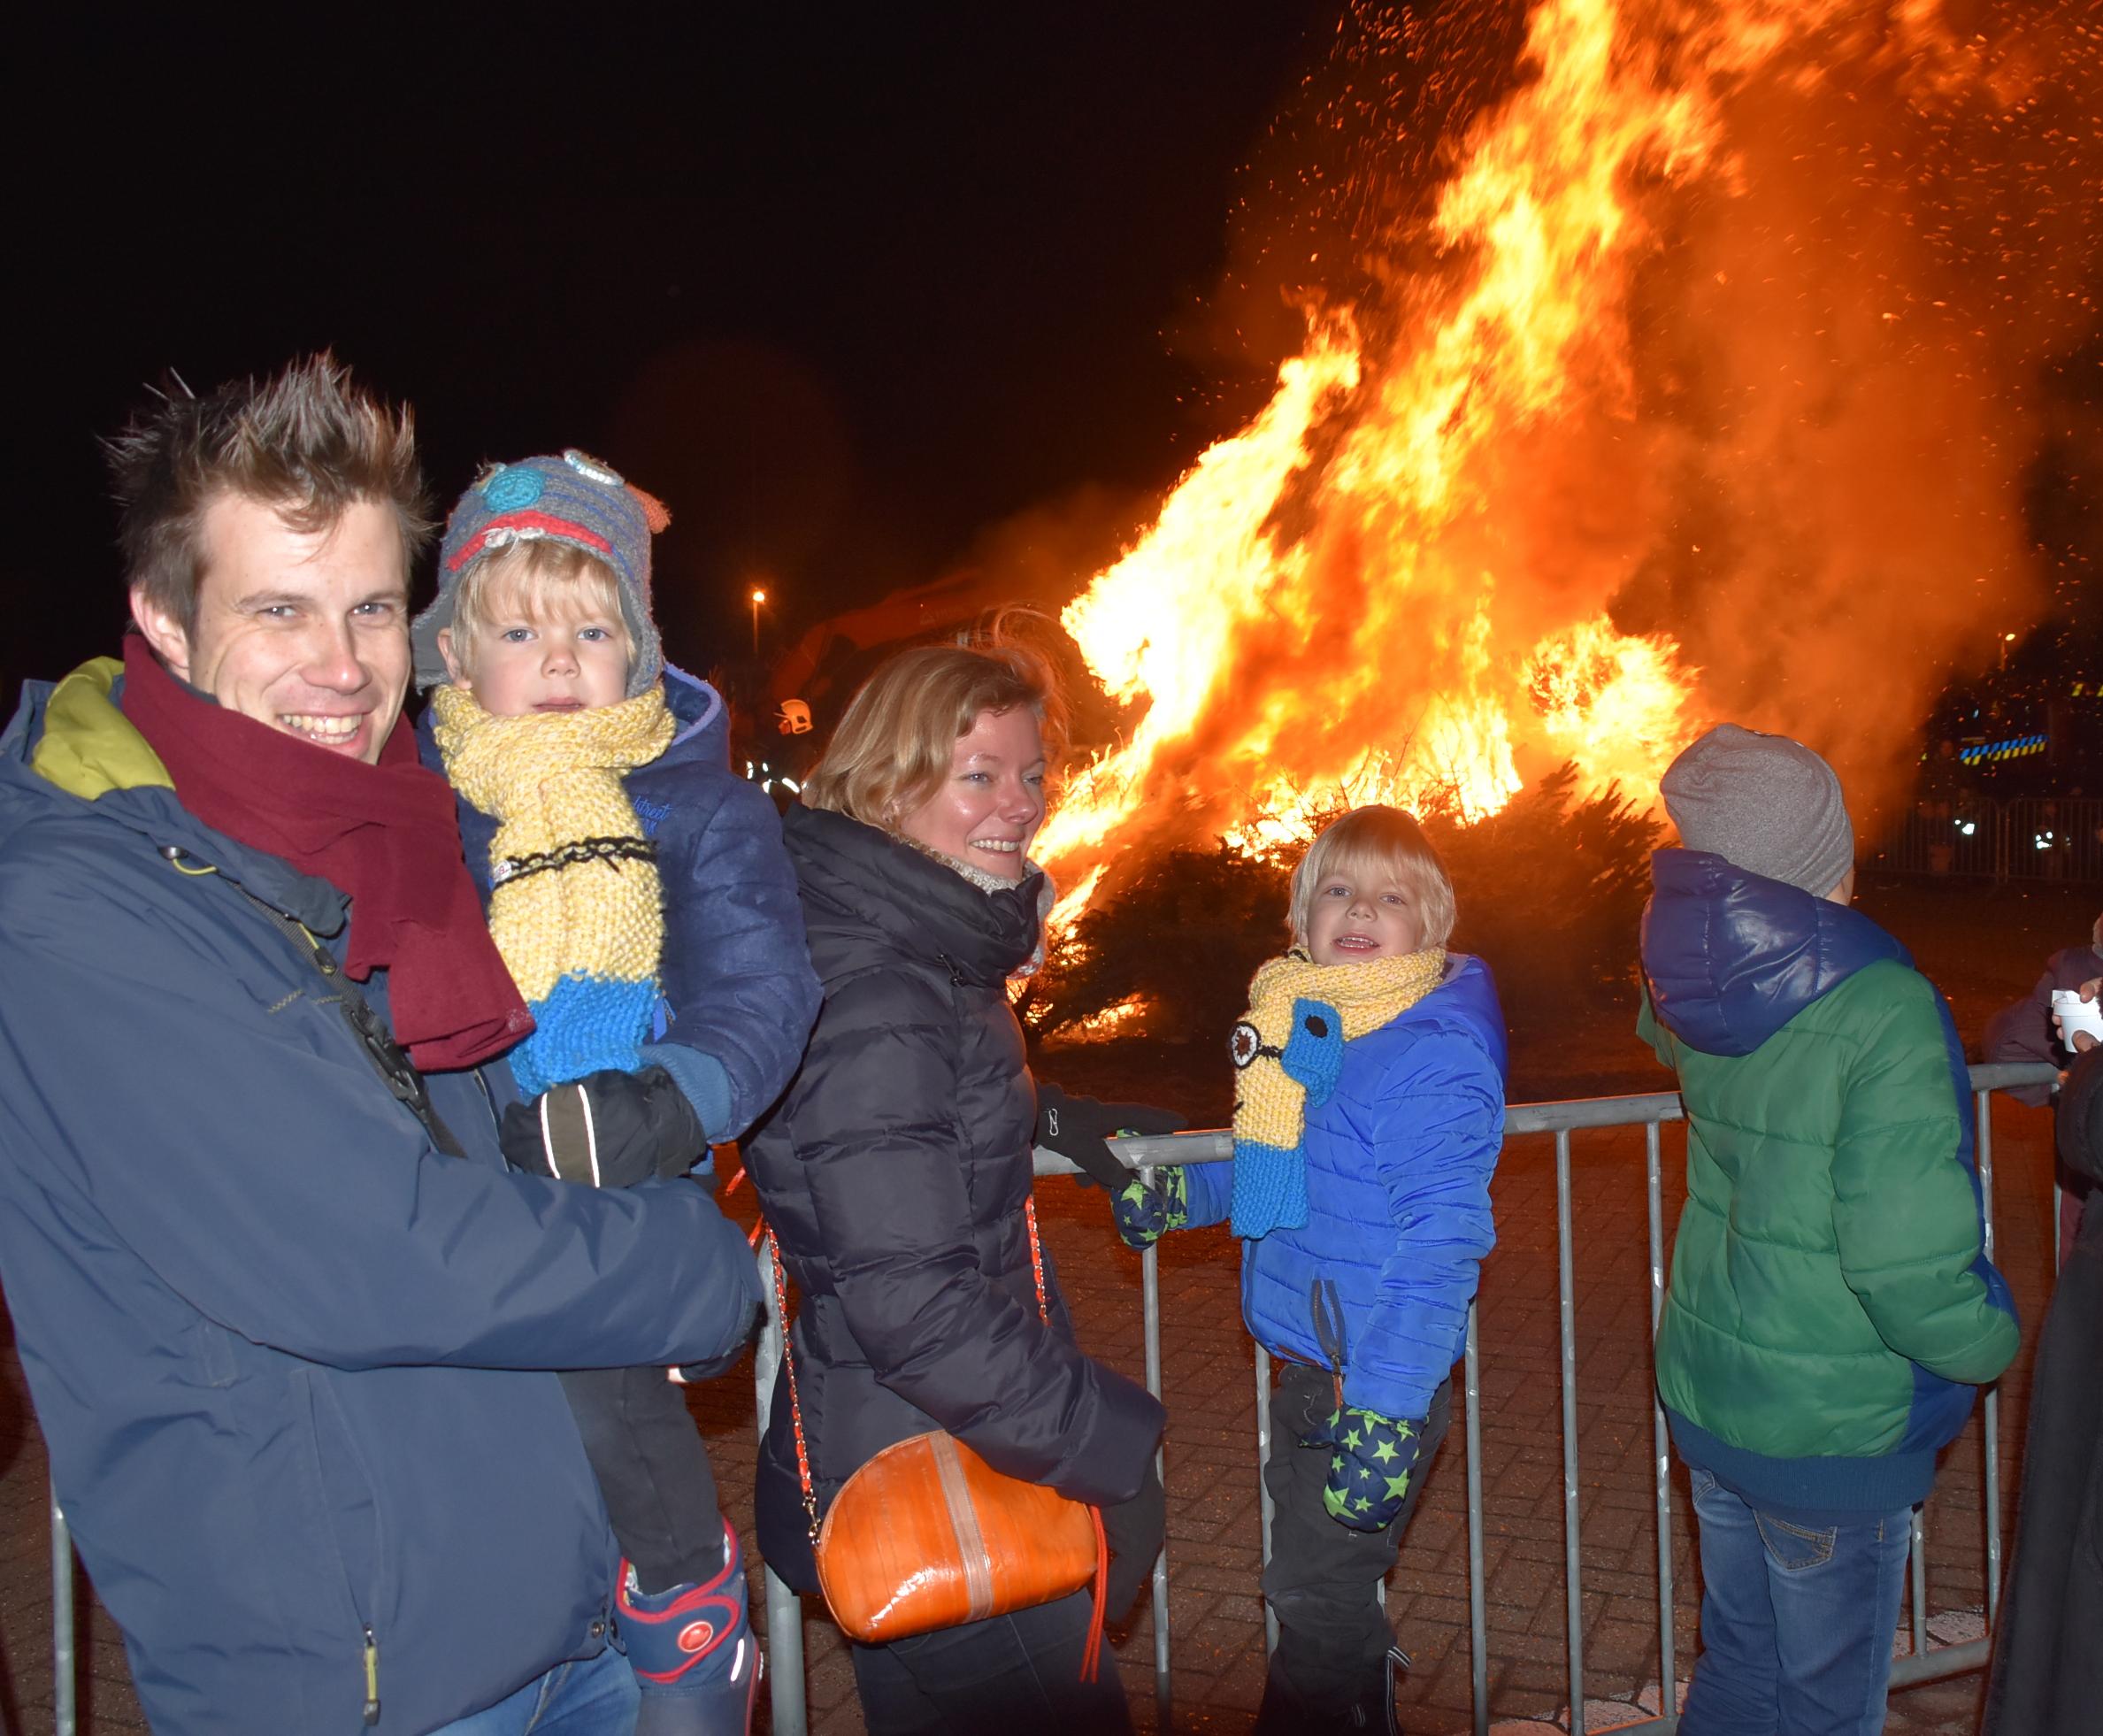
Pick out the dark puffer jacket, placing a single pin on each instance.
(894, 1173)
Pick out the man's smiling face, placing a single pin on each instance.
(306, 631)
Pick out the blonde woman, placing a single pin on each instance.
(896, 1169)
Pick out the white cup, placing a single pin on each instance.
(2075, 1014)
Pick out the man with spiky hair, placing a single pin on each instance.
(285, 1315)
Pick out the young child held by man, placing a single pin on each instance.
(640, 895)
(1369, 1113)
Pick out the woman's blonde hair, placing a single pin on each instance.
(1370, 843)
(895, 744)
(536, 576)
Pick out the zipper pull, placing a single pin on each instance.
(372, 1678)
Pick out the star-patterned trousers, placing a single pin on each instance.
(1323, 1578)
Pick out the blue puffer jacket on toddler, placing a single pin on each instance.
(1398, 1160)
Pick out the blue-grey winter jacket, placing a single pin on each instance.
(280, 1346)
(739, 992)
(1398, 1162)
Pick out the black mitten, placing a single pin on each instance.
(1077, 1127)
(607, 1130)
(1135, 1531)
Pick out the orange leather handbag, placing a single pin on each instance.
(928, 1535)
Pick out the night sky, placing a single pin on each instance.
(844, 294)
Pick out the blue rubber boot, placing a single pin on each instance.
(693, 1652)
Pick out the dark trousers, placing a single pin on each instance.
(1016, 1675)
(653, 1473)
(1323, 1583)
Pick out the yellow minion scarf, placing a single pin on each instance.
(575, 907)
(1288, 1049)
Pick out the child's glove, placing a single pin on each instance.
(1147, 1210)
(610, 1129)
(1372, 1461)
(1077, 1127)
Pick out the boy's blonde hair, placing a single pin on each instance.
(895, 744)
(536, 576)
(1373, 842)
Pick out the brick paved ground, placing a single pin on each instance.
(1216, 1617)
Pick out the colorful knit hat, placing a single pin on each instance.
(573, 499)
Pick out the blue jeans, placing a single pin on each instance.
(595, 1697)
(1797, 1621)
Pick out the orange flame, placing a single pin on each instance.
(1361, 596)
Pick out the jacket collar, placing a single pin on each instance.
(1730, 957)
(697, 708)
(71, 745)
(926, 908)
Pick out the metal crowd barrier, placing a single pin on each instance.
(2023, 838)
(785, 1613)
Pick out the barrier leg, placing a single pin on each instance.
(65, 1676)
(784, 1609)
(785, 1656)
(1990, 1422)
(1263, 1486)
(1150, 1309)
(1573, 1589)
(1478, 1621)
(1659, 1440)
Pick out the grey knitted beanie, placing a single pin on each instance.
(573, 499)
(1763, 803)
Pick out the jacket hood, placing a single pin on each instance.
(1730, 957)
(70, 746)
(859, 876)
(697, 708)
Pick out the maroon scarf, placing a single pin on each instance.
(388, 835)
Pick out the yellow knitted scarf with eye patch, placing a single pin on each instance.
(575, 904)
(1289, 1048)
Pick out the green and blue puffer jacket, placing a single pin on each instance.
(1830, 1311)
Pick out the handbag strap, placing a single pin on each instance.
(788, 1354)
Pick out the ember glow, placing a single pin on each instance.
(1464, 540)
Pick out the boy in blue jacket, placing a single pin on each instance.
(1368, 1116)
(640, 896)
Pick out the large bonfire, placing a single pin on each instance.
(1693, 383)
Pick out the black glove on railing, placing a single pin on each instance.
(607, 1130)
(1077, 1127)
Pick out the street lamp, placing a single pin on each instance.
(758, 597)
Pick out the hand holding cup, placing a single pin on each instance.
(2079, 1015)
